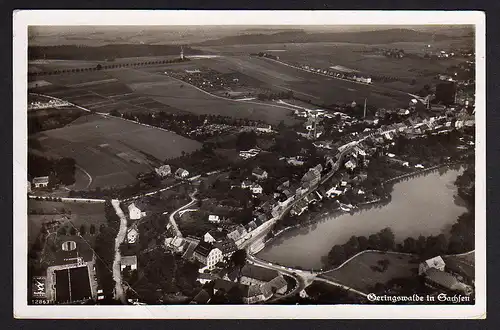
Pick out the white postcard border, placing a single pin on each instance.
(23, 19)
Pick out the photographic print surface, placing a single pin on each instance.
(250, 164)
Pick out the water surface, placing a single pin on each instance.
(423, 205)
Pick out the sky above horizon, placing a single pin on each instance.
(100, 35)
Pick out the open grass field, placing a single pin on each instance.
(359, 273)
(112, 150)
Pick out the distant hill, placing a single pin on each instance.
(362, 37)
(101, 53)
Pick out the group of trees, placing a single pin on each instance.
(461, 240)
(60, 171)
(433, 149)
(395, 53)
(73, 231)
(383, 240)
(104, 248)
(47, 120)
(164, 273)
(466, 183)
(186, 124)
(246, 140)
(275, 96)
(462, 232)
(262, 54)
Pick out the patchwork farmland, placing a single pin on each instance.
(356, 56)
(139, 90)
(113, 151)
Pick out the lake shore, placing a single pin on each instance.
(320, 218)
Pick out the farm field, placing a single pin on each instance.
(111, 150)
(168, 91)
(325, 54)
(359, 273)
(99, 91)
(47, 65)
(148, 89)
(314, 87)
(305, 85)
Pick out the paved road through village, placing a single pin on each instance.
(117, 274)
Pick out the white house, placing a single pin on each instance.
(41, 181)
(259, 173)
(350, 164)
(333, 192)
(295, 162)
(208, 238)
(436, 262)
(256, 189)
(132, 235)
(128, 261)
(134, 212)
(237, 232)
(181, 173)
(212, 218)
(175, 244)
(163, 170)
(214, 235)
(246, 184)
(207, 254)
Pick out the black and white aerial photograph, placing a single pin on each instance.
(250, 164)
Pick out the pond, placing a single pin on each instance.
(425, 205)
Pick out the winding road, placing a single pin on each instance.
(171, 218)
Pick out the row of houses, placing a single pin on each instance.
(246, 154)
(36, 105)
(166, 170)
(350, 76)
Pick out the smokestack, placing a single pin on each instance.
(364, 111)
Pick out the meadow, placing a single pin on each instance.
(363, 272)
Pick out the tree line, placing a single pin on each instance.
(99, 67)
